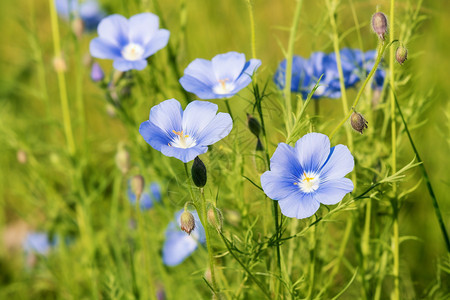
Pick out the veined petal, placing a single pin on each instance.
(299, 206)
(100, 48)
(153, 135)
(339, 163)
(167, 115)
(114, 30)
(245, 77)
(202, 70)
(158, 41)
(312, 151)
(184, 154)
(197, 115)
(218, 128)
(197, 87)
(279, 186)
(333, 191)
(228, 66)
(284, 160)
(142, 28)
(177, 247)
(126, 65)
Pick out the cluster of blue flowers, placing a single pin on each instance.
(306, 72)
(88, 11)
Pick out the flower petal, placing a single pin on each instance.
(177, 247)
(284, 160)
(114, 30)
(185, 155)
(158, 41)
(126, 65)
(228, 66)
(339, 163)
(245, 77)
(142, 27)
(333, 191)
(100, 48)
(197, 87)
(299, 206)
(279, 186)
(153, 135)
(202, 70)
(312, 151)
(197, 115)
(218, 128)
(167, 115)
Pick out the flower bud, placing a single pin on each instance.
(379, 24)
(123, 159)
(215, 218)
(97, 73)
(59, 64)
(187, 221)
(22, 156)
(137, 185)
(198, 172)
(358, 122)
(253, 125)
(401, 55)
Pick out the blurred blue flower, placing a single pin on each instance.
(179, 245)
(150, 195)
(222, 77)
(184, 135)
(88, 11)
(378, 78)
(129, 41)
(311, 173)
(38, 243)
(97, 73)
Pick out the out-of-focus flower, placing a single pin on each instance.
(311, 173)
(88, 11)
(378, 78)
(222, 77)
(179, 245)
(150, 195)
(38, 243)
(97, 73)
(129, 42)
(184, 135)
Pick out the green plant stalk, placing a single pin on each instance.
(252, 27)
(61, 81)
(79, 93)
(229, 108)
(427, 180)
(380, 53)
(208, 241)
(288, 74)
(395, 238)
(312, 264)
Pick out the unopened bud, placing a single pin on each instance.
(198, 172)
(253, 125)
(358, 122)
(78, 27)
(137, 185)
(187, 221)
(97, 73)
(59, 64)
(215, 218)
(401, 54)
(22, 156)
(123, 159)
(379, 24)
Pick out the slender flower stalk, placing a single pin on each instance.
(252, 27)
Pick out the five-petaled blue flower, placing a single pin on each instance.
(129, 41)
(88, 11)
(222, 77)
(185, 135)
(150, 195)
(311, 173)
(179, 245)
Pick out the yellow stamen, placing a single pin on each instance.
(308, 179)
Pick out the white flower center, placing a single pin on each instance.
(182, 140)
(223, 87)
(309, 182)
(132, 52)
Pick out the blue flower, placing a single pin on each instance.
(89, 11)
(150, 195)
(38, 242)
(179, 245)
(97, 73)
(222, 77)
(311, 173)
(129, 41)
(185, 135)
(378, 78)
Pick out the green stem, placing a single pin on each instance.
(252, 27)
(288, 74)
(229, 108)
(61, 81)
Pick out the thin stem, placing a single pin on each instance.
(229, 108)
(252, 27)
(61, 80)
(288, 74)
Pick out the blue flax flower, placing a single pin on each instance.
(38, 242)
(179, 245)
(88, 11)
(222, 77)
(311, 173)
(150, 195)
(129, 41)
(185, 135)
